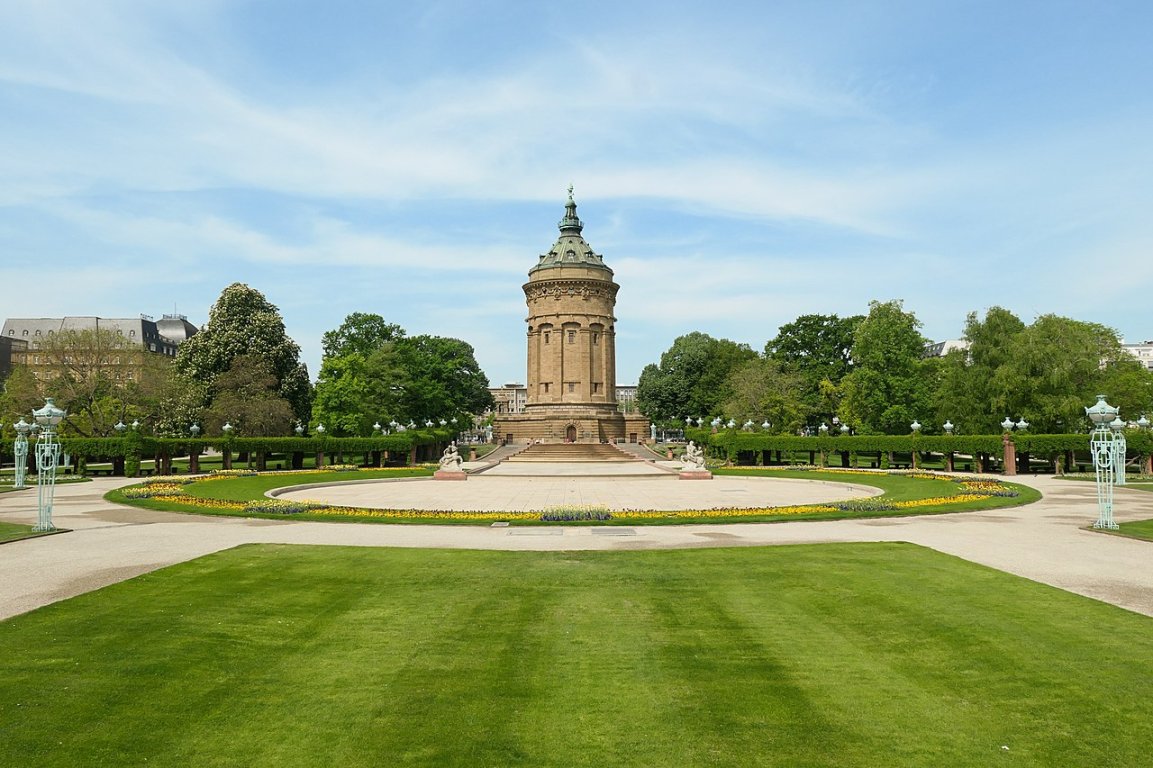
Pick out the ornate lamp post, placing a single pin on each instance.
(194, 450)
(915, 426)
(20, 449)
(948, 427)
(824, 429)
(1007, 424)
(1103, 445)
(1120, 448)
(47, 459)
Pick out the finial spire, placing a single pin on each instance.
(570, 223)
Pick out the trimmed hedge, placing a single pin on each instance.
(131, 447)
(729, 443)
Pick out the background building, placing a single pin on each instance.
(30, 341)
(942, 348)
(1142, 351)
(8, 349)
(511, 398)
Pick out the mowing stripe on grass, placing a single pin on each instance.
(848, 655)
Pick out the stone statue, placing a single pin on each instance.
(694, 457)
(451, 461)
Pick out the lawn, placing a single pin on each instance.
(846, 655)
(903, 494)
(1140, 529)
(13, 531)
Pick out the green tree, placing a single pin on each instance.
(180, 405)
(819, 349)
(888, 387)
(244, 322)
(349, 399)
(435, 377)
(763, 390)
(247, 396)
(361, 333)
(20, 397)
(692, 378)
(343, 400)
(373, 372)
(1129, 386)
(1053, 369)
(965, 391)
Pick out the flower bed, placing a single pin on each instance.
(174, 490)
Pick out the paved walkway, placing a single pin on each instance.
(615, 485)
(1043, 541)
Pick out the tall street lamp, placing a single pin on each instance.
(194, 450)
(1120, 448)
(1103, 445)
(20, 449)
(47, 459)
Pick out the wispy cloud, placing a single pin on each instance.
(736, 172)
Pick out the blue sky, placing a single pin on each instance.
(738, 164)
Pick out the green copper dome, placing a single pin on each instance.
(570, 249)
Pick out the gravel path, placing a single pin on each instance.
(1045, 541)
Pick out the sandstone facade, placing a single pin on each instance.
(571, 344)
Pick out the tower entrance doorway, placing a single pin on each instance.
(570, 434)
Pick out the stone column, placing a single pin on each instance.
(1009, 455)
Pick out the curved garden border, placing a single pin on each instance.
(901, 498)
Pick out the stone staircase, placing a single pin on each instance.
(571, 453)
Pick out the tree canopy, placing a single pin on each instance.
(818, 349)
(243, 322)
(889, 386)
(246, 396)
(372, 371)
(692, 378)
(872, 372)
(762, 390)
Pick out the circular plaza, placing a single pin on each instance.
(553, 486)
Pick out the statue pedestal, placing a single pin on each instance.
(449, 474)
(695, 474)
